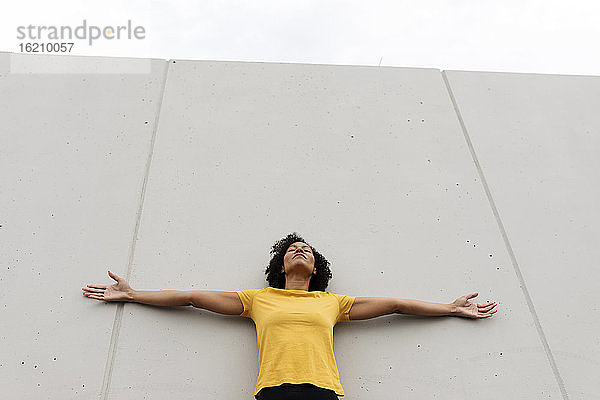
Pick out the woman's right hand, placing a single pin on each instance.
(120, 291)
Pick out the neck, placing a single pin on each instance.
(296, 284)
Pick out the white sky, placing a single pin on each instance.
(556, 37)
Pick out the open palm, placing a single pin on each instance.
(473, 310)
(119, 291)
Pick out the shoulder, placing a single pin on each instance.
(252, 290)
(337, 295)
(249, 293)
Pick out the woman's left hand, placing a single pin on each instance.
(464, 308)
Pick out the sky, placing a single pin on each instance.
(548, 37)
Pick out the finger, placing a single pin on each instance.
(487, 308)
(114, 276)
(95, 297)
(488, 314)
(94, 290)
(470, 296)
(97, 286)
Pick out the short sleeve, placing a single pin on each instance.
(345, 304)
(246, 296)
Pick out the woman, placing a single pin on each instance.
(294, 318)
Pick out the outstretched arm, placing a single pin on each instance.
(121, 291)
(220, 302)
(371, 307)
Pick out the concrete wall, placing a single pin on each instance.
(414, 183)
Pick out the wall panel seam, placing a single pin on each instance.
(512, 256)
(120, 305)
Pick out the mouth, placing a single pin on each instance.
(301, 255)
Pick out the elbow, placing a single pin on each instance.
(399, 306)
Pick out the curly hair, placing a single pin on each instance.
(276, 278)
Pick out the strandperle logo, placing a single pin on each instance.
(91, 32)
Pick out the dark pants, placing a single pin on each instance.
(302, 391)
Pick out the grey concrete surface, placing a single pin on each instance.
(402, 177)
(537, 139)
(73, 154)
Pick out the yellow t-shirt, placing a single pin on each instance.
(294, 330)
